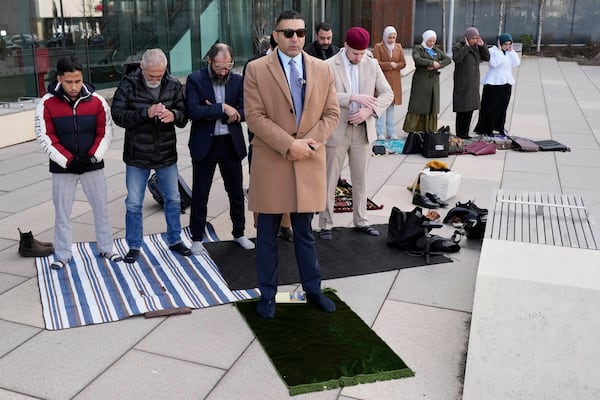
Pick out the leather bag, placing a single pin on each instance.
(522, 144)
(413, 143)
(480, 148)
(405, 228)
(435, 144)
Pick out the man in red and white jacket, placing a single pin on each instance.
(74, 126)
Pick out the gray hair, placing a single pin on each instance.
(154, 57)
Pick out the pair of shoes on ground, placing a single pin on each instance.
(367, 230)
(244, 242)
(286, 233)
(444, 129)
(428, 200)
(472, 206)
(266, 307)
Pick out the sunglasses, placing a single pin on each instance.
(289, 33)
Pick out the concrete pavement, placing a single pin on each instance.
(423, 313)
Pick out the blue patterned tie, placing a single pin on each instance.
(296, 84)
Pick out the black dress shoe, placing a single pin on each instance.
(436, 199)
(180, 249)
(131, 256)
(367, 230)
(266, 308)
(472, 206)
(423, 201)
(321, 301)
(286, 233)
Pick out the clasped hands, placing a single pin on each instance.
(436, 65)
(361, 114)
(301, 149)
(161, 112)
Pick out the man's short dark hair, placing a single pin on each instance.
(68, 64)
(323, 26)
(219, 48)
(272, 42)
(288, 14)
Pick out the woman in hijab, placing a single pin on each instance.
(467, 55)
(497, 87)
(391, 60)
(424, 103)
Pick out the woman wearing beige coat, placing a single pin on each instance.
(391, 60)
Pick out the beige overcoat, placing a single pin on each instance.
(276, 184)
(393, 76)
(371, 81)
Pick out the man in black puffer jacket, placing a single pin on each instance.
(73, 125)
(149, 104)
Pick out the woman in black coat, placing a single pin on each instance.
(467, 55)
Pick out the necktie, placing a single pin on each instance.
(353, 86)
(296, 84)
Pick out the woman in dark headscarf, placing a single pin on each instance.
(424, 103)
(497, 87)
(467, 55)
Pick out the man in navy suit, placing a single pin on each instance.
(215, 104)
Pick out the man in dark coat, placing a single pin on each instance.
(215, 103)
(467, 55)
(322, 47)
(149, 103)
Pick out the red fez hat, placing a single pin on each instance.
(358, 38)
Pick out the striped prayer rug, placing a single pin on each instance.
(93, 290)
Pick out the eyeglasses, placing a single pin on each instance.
(222, 66)
(289, 33)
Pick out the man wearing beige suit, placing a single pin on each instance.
(291, 107)
(363, 94)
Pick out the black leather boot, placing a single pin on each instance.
(30, 247)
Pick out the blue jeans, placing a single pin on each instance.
(136, 180)
(388, 119)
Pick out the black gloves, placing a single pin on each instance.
(79, 165)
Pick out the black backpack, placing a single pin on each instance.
(184, 192)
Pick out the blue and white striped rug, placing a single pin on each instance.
(93, 290)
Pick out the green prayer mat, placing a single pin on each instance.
(313, 350)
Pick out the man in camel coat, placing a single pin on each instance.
(288, 161)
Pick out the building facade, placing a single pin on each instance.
(107, 34)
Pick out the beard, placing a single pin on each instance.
(218, 80)
(152, 85)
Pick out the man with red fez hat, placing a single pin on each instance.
(363, 94)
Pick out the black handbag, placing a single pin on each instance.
(435, 144)
(413, 143)
(405, 228)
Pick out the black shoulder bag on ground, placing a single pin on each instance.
(185, 193)
(435, 144)
(414, 143)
